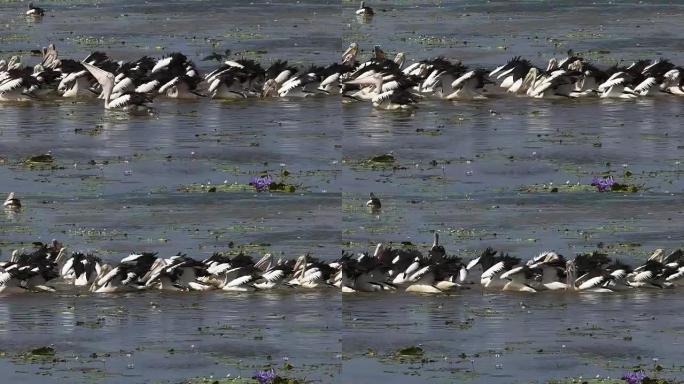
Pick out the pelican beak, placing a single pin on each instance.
(270, 88)
(350, 54)
(352, 50)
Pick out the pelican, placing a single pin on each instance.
(129, 275)
(374, 203)
(16, 82)
(552, 268)
(35, 12)
(364, 10)
(513, 74)
(82, 269)
(469, 86)
(349, 56)
(589, 273)
(12, 202)
(130, 101)
(179, 273)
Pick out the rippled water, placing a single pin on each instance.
(464, 169)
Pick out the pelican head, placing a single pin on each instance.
(14, 62)
(349, 55)
(400, 59)
(270, 88)
(530, 78)
(106, 80)
(553, 64)
(571, 273)
(49, 56)
(300, 265)
(12, 202)
(375, 81)
(575, 66)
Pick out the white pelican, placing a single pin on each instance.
(374, 203)
(469, 86)
(35, 12)
(12, 202)
(128, 101)
(513, 74)
(129, 275)
(179, 273)
(364, 10)
(82, 269)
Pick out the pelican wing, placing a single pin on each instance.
(108, 277)
(290, 85)
(283, 76)
(645, 85)
(147, 87)
(312, 277)
(124, 85)
(169, 84)
(233, 64)
(330, 79)
(67, 266)
(419, 273)
(163, 63)
(672, 75)
(619, 274)
(613, 81)
(591, 283)
(473, 263)
(508, 274)
(11, 85)
(642, 276)
(677, 275)
(458, 83)
(497, 70)
(493, 270)
(274, 275)
(121, 101)
(462, 274)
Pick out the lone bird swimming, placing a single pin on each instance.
(34, 11)
(374, 203)
(12, 202)
(364, 10)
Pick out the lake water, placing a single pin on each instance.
(472, 171)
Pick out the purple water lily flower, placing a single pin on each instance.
(261, 183)
(602, 184)
(634, 377)
(265, 377)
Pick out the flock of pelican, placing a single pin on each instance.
(386, 83)
(386, 269)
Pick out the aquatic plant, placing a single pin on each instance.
(603, 184)
(265, 377)
(261, 183)
(634, 377)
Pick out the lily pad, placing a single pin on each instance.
(386, 158)
(42, 159)
(43, 351)
(411, 351)
(282, 187)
